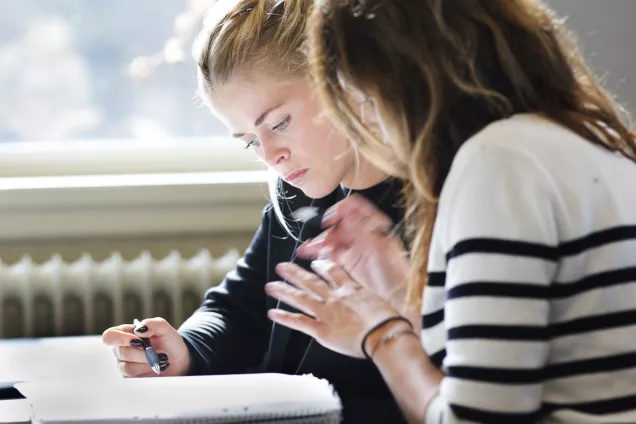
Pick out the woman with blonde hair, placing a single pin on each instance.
(519, 173)
(253, 74)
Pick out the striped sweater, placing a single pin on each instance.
(530, 308)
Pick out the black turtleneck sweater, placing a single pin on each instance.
(231, 334)
(385, 196)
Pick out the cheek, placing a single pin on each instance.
(327, 142)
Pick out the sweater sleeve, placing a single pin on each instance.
(229, 332)
(496, 225)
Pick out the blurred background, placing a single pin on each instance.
(122, 69)
(117, 187)
(85, 70)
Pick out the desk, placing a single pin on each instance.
(56, 359)
(15, 411)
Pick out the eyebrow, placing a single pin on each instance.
(258, 121)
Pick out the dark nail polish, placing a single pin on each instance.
(164, 367)
(142, 329)
(163, 357)
(136, 343)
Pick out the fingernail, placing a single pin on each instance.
(142, 329)
(164, 367)
(325, 253)
(163, 356)
(283, 266)
(269, 287)
(320, 263)
(328, 214)
(317, 240)
(136, 343)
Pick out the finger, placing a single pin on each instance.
(120, 335)
(303, 279)
(129, 354)
(298, 322)
(355, 207)
(323, 246)
(133, 369)
(358, 228)
(307, 250)
(304, 301)
(333, 273)
(152, 373)
(162, 368)
(154, 327)
(358, 223)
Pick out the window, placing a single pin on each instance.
(101, 132)
(105, 87)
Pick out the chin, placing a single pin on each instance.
(317, 191)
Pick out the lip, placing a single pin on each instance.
(296, 176)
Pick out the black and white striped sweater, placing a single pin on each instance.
(531, 303)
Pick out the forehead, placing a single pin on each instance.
(240, 101)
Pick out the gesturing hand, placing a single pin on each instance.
(339, 311)
(360, 241)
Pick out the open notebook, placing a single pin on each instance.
(248, 398)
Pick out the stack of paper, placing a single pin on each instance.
(249, 398)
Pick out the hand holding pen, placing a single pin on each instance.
(130, 351)
(153, 358)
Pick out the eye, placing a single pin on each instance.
(282, 125)
(253, 143)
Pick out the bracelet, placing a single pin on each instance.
(377, 327)
(390, 337)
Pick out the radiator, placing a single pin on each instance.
(57, 298)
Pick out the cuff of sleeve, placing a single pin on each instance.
(435, 411)
(198, 365)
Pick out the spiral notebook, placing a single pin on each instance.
(247, 398)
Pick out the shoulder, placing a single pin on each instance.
(530, 137)
(526, 146)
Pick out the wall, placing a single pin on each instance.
(606, 32)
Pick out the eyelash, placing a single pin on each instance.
(285, 121)
(276, 127)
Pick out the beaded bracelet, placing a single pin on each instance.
(377, 327)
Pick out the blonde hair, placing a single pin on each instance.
(440, 71)
(245, 35)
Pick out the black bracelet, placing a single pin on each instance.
(377, 327)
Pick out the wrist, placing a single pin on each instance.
(374, 340)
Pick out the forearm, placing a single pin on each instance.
(220, 344)
(410, 375)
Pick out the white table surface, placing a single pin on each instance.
(56, 358)
(50, 359)
(15, 411)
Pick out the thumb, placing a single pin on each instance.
(154, 327)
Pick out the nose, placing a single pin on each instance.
(274, 152)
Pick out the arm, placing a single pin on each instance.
(229, 332)
(496, 226)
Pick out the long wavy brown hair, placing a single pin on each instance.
(438, 71)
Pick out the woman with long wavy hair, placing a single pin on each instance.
(519, 173)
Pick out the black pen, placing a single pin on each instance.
(151, 354)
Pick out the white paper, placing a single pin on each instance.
(177, 398)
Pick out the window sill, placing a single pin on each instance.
(116, 157)
(89, 206)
